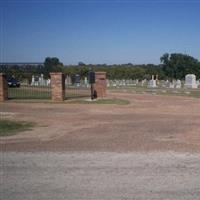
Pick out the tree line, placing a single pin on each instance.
(172, 66)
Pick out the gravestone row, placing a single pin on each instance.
(190, 82)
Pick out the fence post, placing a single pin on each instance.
(3, 88)
(100, 84)
(57, 86)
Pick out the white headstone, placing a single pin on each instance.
(33, 80)
(114, 83)
(108, 83)
(48, 82)
(171, 85)
(190, 81)
(85, 81)
(118, 83)
(198, 83)
(41, 80)
(68, 80)
(152, 83)
(142, 83)
(178, 84)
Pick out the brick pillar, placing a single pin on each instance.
(57, 86)
(3, 88)
(100, 84)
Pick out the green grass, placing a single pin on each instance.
(100, 101)
(9, 127)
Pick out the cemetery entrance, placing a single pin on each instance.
(76, 87)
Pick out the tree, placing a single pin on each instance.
(81, 64)
(177, 65)
(52, 64)
(164, 59)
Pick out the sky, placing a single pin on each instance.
(98, 31)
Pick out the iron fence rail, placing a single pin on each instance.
(29, 92)
(76, 92)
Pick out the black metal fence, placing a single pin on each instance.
(36, 87)
(29, 92)
(76, 92)
(39, 88)
(75, 87)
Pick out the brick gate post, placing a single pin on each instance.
(57, 86)
(100, 84)
(3, 88)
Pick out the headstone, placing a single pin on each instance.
(157, 77)
(41, 80)
(152, 83)
(171, 85)
(198, 84)
(108, 83)
(48, 82)
(85, 81)
(33, 80)
(69, 80)
(36, 81)
(178, 84)
(190, 81)
(142, 83)
(118, 83)
(167, 83)
(131, 82)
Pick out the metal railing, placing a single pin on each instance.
(29, 92)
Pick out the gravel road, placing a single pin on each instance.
(85, 175)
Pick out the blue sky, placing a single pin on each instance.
(97, 31)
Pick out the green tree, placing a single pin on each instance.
(177, 65)
(52, 64)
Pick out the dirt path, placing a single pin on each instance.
(100, 176)
(148, 149)
(148, 123)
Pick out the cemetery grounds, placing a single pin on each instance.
(147, 149)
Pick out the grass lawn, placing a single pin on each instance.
(9, 127)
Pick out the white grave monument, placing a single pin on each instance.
(39, 81)
(198, 84)
(152, 83)
(33, 80)
(190, 81)
(85, 81)
(178, 84)
(171, 85)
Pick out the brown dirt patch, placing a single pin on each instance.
(148, 123)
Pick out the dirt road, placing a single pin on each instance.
(100, 176)
(147, 150)
(147, 123)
